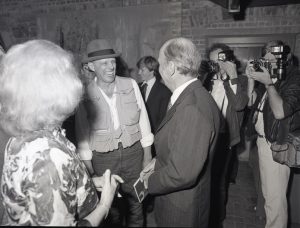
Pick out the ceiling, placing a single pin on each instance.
(256, 3)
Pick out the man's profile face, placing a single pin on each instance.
(144, 73)
(163, 68)
(105, 69)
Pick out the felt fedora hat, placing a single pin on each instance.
(99, 49)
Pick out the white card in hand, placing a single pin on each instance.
(140, 190)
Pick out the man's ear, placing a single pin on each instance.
(172, 68)
(91, 66)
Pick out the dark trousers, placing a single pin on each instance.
(127, 163)
(220, 181)
(233, 165)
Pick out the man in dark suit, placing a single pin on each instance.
(156, 95)
(184, 141)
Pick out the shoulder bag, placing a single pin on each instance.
(287, 152)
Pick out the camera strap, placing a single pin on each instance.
(259, 108)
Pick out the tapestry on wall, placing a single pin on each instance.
(134, 31)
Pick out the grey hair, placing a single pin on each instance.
(39, 87)
(184, 54)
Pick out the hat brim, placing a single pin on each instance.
(87, 59)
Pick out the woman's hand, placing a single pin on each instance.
(108, 183)
(98, 182)
(109, 186)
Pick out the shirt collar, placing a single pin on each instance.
(180, 89)
(150, 82)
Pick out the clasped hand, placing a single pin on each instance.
(107, 183)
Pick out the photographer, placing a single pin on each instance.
(276, 97)
(229, 92)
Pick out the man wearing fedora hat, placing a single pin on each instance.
(112, 127)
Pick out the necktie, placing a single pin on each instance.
(143, 90)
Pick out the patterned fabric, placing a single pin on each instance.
(44, 182)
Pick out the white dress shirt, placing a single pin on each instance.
(179, 90)
(150, 84)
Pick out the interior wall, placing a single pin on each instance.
(200, 19)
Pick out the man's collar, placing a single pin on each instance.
(180, 89)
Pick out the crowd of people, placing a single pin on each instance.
(176, 129)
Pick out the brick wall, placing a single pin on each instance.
(200, 18)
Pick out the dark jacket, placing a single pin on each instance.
(289, 91)
(236, 106)
(157, 104)
(184, 142)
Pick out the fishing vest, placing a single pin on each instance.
(103, 137)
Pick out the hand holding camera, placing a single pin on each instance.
(279, 70)
(263, 75)
(224, 66)
(228, 68)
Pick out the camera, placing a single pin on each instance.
(258, 63)
(280, 52)
(223, 56)
(226, 56)
(213, 67)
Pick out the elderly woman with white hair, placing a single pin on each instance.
(43, 180)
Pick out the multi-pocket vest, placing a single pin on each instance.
(103, 136)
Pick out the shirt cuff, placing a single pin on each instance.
(147, 141)
(85, 154)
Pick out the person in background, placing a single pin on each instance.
(43, 180)
(156, 95)
(276, 98)
(230, 93)
(179, 177)
(113, 130)
(134, 74)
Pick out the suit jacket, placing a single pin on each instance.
(157, 104)
(184, 143)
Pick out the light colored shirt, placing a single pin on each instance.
(259, 125)
(150, 84)
(82, 125)
(111, 101)
(179, 90)
(219, 95)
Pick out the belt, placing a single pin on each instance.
(261, 136)
(120, 146)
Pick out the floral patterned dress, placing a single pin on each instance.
(44, 182)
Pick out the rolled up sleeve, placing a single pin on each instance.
(147, 136)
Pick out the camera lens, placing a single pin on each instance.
(256, 64)
(213, 67)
